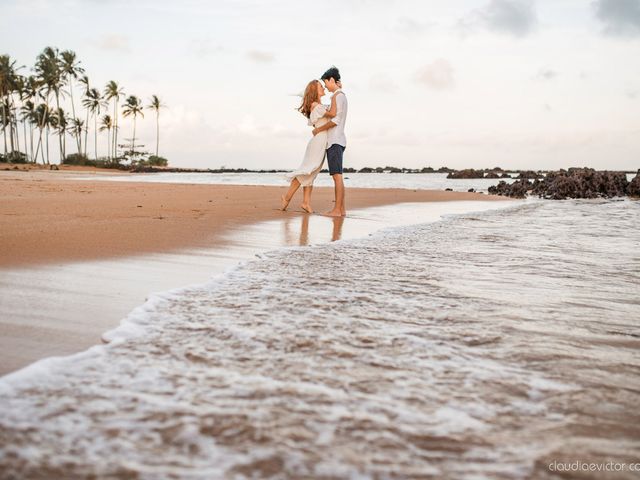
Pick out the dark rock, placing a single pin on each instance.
(572, 183)
(633, 189)
(530, 175)
(466, 173)
(366, 170)
(517, 189)
(448, 189)
(492, 175)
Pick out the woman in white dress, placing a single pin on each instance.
(314, 155)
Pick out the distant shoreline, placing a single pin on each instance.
(495, 172)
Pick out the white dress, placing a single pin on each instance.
(316, 150)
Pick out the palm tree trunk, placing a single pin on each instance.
(95, 141)
(157, 132)
(114, 149)
(133, 140)
(78, 135)
(59, 134)
(38, 147)
(86, 132)
(34, 158)
(48, 163)
(4, 125)
(11, 129)
(24, 131)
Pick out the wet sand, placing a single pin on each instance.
(77, 256)
(47, 217)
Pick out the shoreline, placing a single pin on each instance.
(49, 217)
(60, 310)
(55, 304)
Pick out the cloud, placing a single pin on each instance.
(546, 74)
(620, 17)
(513, 17)
(113, 42)
(438, 75)
(410, 27)
(382, 82)
(261, 56)
(204, 47)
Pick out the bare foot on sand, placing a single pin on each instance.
(306, 208)
(333, 213)
(285, 203)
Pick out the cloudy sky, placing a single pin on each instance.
(462, 83)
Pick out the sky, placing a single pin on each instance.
(521, 84)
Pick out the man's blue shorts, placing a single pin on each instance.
(334, 158)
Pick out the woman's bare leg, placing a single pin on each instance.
(306, 200)
(293, 188)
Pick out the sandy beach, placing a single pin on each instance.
(78, 255)
(47, 217)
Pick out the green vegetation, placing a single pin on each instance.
(33, 109)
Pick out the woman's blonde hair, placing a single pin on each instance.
(310, 96)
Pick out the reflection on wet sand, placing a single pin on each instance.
(296, 231)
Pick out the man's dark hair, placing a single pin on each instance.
(333, 72)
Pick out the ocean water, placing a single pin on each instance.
(426, 181)
(421, 181)
(485, 345)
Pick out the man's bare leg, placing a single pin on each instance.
(338, 209)
(293, 188)
(306, 201)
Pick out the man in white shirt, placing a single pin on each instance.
(337, 141)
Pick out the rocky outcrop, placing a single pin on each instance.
(517, 189)
(572, 183)
(467, 173)
(529, 175)
(633, 189)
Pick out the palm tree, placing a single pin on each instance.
(70, 70)
(156, 104)
(133, 106)
(28, 116)
(84, 80)
(93, 102)
(49, 71)
(7, 87)
(107, 124)
(60, 123)
(113, 92)
(41, 119)
(76, 128)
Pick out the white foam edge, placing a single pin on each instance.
(133, 324)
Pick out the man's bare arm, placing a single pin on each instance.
(324, 127)
(333, 110)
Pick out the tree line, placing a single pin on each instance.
(31, 111)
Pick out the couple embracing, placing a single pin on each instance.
(328, 139)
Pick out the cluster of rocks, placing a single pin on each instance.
(572, 183)
(389, 169)
(480, 173)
